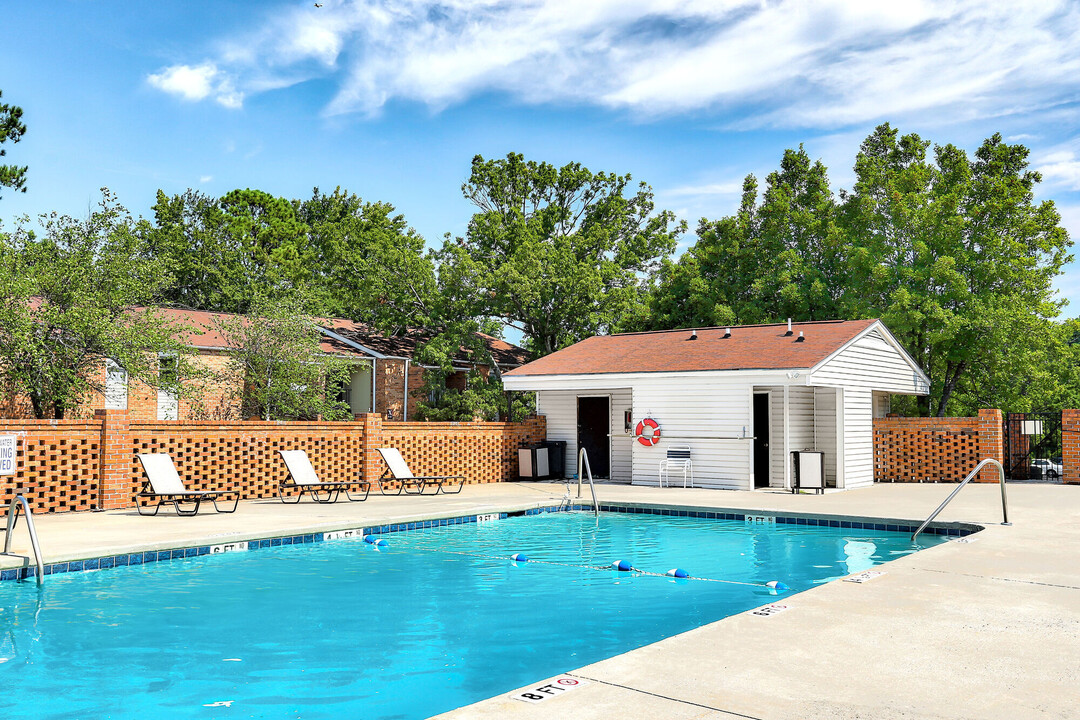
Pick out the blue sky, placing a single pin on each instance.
(392, 98)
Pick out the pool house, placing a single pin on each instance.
(742, 399)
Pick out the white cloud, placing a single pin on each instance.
(790, 63)
(203, 179)
(721, 188)
(197, 82)
(1061, 168)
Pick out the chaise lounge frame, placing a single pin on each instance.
(397, 470)
(163, 482)
(303, 477)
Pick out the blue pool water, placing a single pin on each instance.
(437, 620)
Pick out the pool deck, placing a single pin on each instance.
(983, 629)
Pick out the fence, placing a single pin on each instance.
(66, 465)
(936, 449)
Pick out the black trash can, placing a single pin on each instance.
(556, 458)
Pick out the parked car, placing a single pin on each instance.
(1046, 468)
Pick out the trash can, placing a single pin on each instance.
(532, 462)
(809, 470)
(556, 458)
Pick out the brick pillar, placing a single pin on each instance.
(371, 424)
(991, 443)
(114, 460)
(1070, 446)
(536, 428)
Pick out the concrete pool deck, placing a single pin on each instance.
(983, 629)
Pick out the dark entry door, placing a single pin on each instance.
(593, 426)
(761, 439)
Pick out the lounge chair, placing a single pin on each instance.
(398, 471)
(163, 483)
(303, 476)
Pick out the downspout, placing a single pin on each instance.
(405, 409)
(372, 384)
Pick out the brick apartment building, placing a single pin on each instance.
(385, 378)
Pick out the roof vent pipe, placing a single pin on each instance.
(693, 334)
(788, 327)
(727, 332)
(800, 338)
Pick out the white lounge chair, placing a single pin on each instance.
(678, 458)
(397, 470)
(163, 482)
(303, 476)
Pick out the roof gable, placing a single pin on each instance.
(749, 347)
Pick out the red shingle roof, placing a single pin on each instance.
(201, 329)
(408, 344)
(750, 347)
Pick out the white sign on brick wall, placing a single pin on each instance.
(9, 446)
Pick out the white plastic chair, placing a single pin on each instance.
(678, 458)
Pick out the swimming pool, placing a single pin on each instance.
(438, 619)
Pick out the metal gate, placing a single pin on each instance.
(1033, 446)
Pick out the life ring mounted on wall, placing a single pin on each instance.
(647, 432)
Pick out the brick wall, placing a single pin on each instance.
(58, 463)
(1070, 446)
(67, 465)
(936, 449)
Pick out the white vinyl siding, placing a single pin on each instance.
(800, 426)
(830, 409)
(694, 413)
(825, 429)
(870, 362)
(560, 409)
(858, 439)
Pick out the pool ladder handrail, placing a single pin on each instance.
(583, 460)
(12, 519)
(965, 481)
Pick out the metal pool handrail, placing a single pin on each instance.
(13, 514)
(965, 481)
(583, 459)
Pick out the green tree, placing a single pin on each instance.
(782, 257)
(190, 238)
(955, 255)
(369, 264)
(951, 251)
(11, 128)
(225, 251)
(81, 293)
(483, 398)
(558, 253)
(277, 364)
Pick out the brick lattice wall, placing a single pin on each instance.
(68, 465)
(57, 464)
(480, 451)
(243, 455)
(936, 449)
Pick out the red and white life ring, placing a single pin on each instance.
(647, 432)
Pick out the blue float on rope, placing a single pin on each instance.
(375, 540)
(519, 557)
(677, 573)
(777, 585)
(622, 565)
